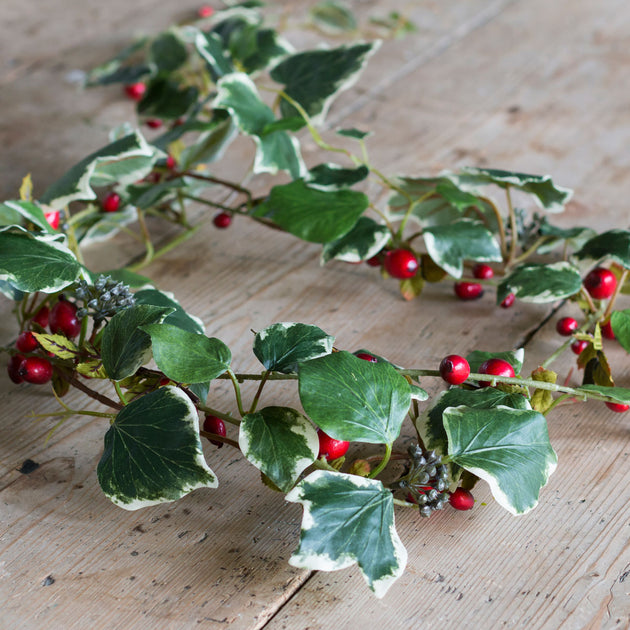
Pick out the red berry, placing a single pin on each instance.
(63, 319)
(508, 300)
(468, 290)
(607, 331)
(367, 357)
(331, 448)
(215, 425)
(171, 163)
(600, 283)
(36, 370)
(577, 347)
(135, 91)
(567, 326)
(482, 271)
(111, 203)
(13, 367)
(461, 499)
(53, 218)
(495, 367)
(26, 342)
(375, 261)
(222, 220)
(154, 123)
(617, 407)
(400, 263)
(205, 11)
(454, 369)
(41, 317)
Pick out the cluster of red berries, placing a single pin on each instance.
(454, 369)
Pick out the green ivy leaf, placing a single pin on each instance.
(329, 176)
(122, 162)
(211, 144)
(211, 49)
(36, 262)
(145, 195)
(165, 99)
(314, 77)
(168, 52)
(348, 519)
(11, 211)
(333, 18)
(620, 321)
(254, 48)
(280, 442)
(179, 317)
(366, 239)
(618, 394)
(614, 244)
(540, 283)
(356, 134)
(574, 237)
(187, 357)
(354, 400)
(125, 347)
(113, 70)
(153, 453)
(513, 357)
(508, 448)
(282, 346)
(464, 239)
(314, 215)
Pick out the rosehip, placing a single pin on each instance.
(461, 499)
(400, 263)
(600, 283)
(26, 342)
(617, 407)
(567, 326)
(331, 448)
(366, 357)
(41, 317)
(375, 261)
(222, 220)
(13, 367)
(454, 369)
(468, 290)
(495, 367)
(63, 319)
(508, 300)
(36, 370)
(171, 163)
(53, 218)
(578, 346)
(111, 203)
(205, 11)
(482, 271)
(154, 123)
(215, 425)
(135, 91)
(607, 331)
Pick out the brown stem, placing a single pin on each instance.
(75, 382)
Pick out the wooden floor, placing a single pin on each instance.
(536, 86)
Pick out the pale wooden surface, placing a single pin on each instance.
(534, 86)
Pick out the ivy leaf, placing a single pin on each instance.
(513, 357)
(36, 262)
(102, 226)
(614, 244)
(618, 394)
(165, 99)
(464, 239)
(178, 317)
(546, 194)
(59, 345)
(356, 134)
(540, 283)
(187, 357)
(508, 448)
(575, 237)
(113, 71)
(254, 48)
(366, 239)
(210, 144)
(333, 18)
(620, 321)
(211, 49)
(125, 347)
(348, 519)
(280, 442)
(282, 346)
(354, 400)
(332, 176)
(314, 77)
(311, 214)
(168, 52)
(29, 210)
(153, 452)
(122, 162)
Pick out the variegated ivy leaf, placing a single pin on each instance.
(280, 442)
(178, 317)
(168, 52)
(187, 357)
(614, 244)
(513, 357)
(366, 239)
(546, 194)
(12, 211)
(166, 99)
(329, 176)
(275, 151)
(210, 48)
(122, 162)
(282, 346)
(574, 237)
(153, 452)
(32, 262)
(102, 226)
(314, 77)
(620, 321)
(354, 400)
(253, 48)
(540, 283)
(618, 394)
(59, 345)
(464, 239)
(211, 144)
(113, 70)
(333, 17)
(348, 519)
(508, 448)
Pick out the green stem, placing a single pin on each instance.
(384, 461)
(119, 392)
(84, 327)
(74, 412)
(513, 230)
(615, 295)
(557, 402)
(146, 237)
(530, 250)
(237, 392)
(218, 414)
(584, 327)
(265, 376)
(406, 504)
(221, 182)
(172, 244)
(322, 464)
(501, 226)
